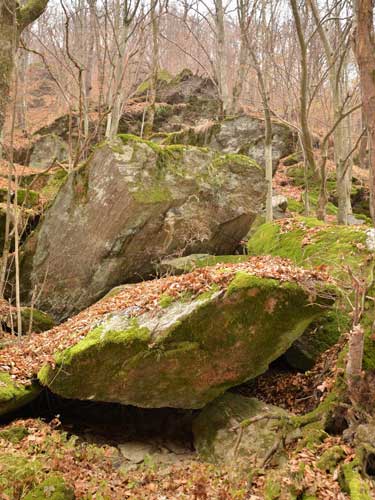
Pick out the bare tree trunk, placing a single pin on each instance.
(362, 153)
(306, 135)
(23, 61)
(242, 13)
(240, 79)
(89, 65)
(356, 338)
(221, 61)
(7, 35)
(154, 71)
(10, 32)
(268, 135)
(13, 20)
(364, 49)
(117, 92)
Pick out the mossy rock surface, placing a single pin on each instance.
(240, 134)
(310, 243)
(52, 488)
(163, 77)
(139, 202)
(223, 432)
(14, 395)
(40, 321)
(190, 351)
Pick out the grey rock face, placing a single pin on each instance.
(242, 134)
(131, 205)
(47, 149)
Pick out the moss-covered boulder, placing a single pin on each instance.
(241, 134)
(237, 430)
(182, 100)
(132, 204)
(163, 79)
(32, 320)
(188, 351)
(14, 395)
(314, 244)
(36, 321)
(310, 243)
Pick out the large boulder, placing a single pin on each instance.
(47, 150)
(241, 134)
(240, 430)
(183, 351)
(313, 244)
(183, 100)
(132, 204)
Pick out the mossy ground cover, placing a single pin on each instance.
(311, 243)
(47, 462)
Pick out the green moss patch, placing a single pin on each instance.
(14, 434)
(54, 183)
(13, 395)
(352, 482)
(53, 488)
(40, 321)
(22, 478)
(331, 458)
(312, 243)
